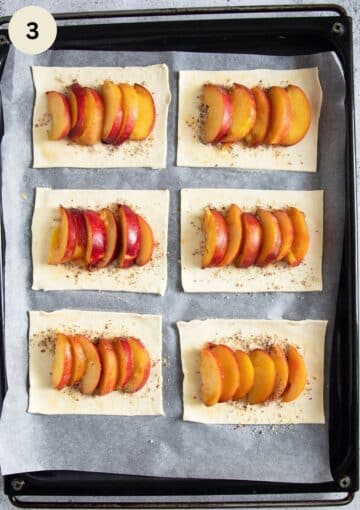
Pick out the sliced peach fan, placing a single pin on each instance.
(230, 375)
(95, 239)
(100, 368)
(113, 114)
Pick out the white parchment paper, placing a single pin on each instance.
(163, 446)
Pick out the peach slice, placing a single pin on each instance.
(63, 238)
(234, 228)
(109, 372)
(77, 101)
(287, 233)
(297, 375)
(112, 237)
(81, 236)
(130, 236)
(78, 360)
(218, 113)
(62, 363)
(216, 237)
(264, 377)
(251, 240)
(229, 369)
(59, 110)
(96, 237)
(300, 116)
(91, 377)
(263, 108)
(243, 114)
(301, 242)
(271, 237)
(113, 114)
(125, 360)
(211, 377)
(280, 118)
(281, 370)
(146, 115)
(130, 108)
(94, 118)
(141, 368)
(146, 242)
(246, 370)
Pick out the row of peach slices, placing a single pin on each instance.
(263, 238)
(95, 239)
(113, 115)
(276, 116)
(110, 364)
(230, 376)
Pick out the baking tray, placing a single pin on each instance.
(282, 30)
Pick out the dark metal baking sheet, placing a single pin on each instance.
(285, 36)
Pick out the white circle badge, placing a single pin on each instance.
(32, 29)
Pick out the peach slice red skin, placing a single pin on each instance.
(243, 114)
(59, 109)
(251, 240)
(63, 238)
(146, 114)
(130, 108)
(263, 109)
(77, 102)
(211, 377)
(216, 237)
(219, 113)
(112, 237)
(141, 368)
(62, 362)
(109, 372)
(96, 237)
(234, 228)
(113, 113)
(81, 236)
(130, 236)
(78, 360)
(146, 242)
(229, 369)
(271, 237)
(94, 118)
(280, 117)
(125, 360)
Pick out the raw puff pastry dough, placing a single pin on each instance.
(153, 205)
(44, 399)
(309, 336)
(273, 278)
(191, 152)
(63, 153)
